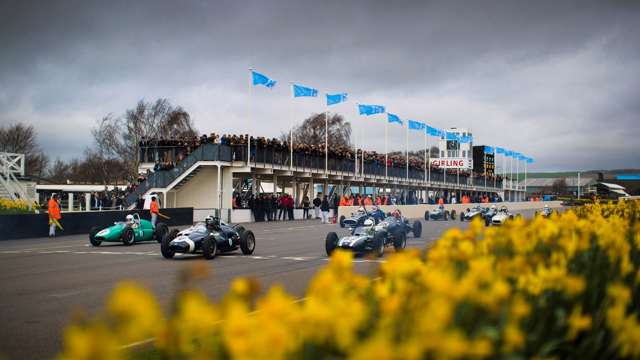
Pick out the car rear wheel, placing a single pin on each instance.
(417, 229)
(510, 217)
(399, 240)
(331, 243)
(378, 241)
(446, 214)
(453, 214)
(128, 237)
(247, 242)
(426, 215)
(487, 221)
(342, 218)
(160, 230)
(92, 236)
(209, 247)
(166, 251)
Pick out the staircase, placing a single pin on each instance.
(11, 166)
(185, 170)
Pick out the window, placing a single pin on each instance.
(464, 153)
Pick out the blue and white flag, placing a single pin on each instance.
(416, 125)
(508, 153)
(260, 79)
(392, 118)
(452, 136)
(488, 149)
(521, 157)
(529, 160)
(431, 131)
(333, 99)
(499, 150)
(370, 109)
(299, 91)
(466, 139)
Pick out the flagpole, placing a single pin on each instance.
(326, 141)
(291, 130)
(485, 169)
(425, 155)
(406, 141)
(386, 149)
(249, 114)
(525, 176)
(518, 174)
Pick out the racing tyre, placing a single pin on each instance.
(209, 247)
(446, 215)
(453, 214)
(331, 243)
(167, 253)
(461, 216)
(510, 217)
(426, 215)
(247, 242)
(342, 218)
(487, 221)
(92, 236)
(128, 237)
(417, 229)
(161, 229)
(378, 241)
(399, 240)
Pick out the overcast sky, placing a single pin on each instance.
(556, 80)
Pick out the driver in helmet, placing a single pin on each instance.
(130, 220)
(211, 222)
(396, 213)
(361, 210)
(368, 225)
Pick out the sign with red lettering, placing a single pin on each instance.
(451, 163)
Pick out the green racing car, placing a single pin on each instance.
(128, 232)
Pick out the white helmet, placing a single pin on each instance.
(546, 206)
(493, 206)
(208, 220)
(361, 209)
(129, 218)
(368, 223)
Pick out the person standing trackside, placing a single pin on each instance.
(154, 210)
(305, 207)
(54, 214)
(316, 206)
(324, 206)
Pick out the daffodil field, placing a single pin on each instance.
(14, 207)
(560, 288)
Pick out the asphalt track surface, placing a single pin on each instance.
(44, 281)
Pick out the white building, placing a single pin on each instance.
(454, 154)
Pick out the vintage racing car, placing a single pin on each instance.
(501, 216)
(368, 238)
(361, 215)
(546, 212)
(209, 238)
(473, 213)
(130, 231)
(439, 214)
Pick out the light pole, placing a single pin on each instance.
(578, 185)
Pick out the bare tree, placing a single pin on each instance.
(22, 139)
(312, 131)
(118, 138)
(559, 186)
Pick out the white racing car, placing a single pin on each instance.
(546, 212)
(501, 216)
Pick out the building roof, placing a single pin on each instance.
(613, 186)
(571, 182)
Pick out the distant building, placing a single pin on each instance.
(544, 186)
(454, 152)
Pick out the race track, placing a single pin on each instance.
(45, 280)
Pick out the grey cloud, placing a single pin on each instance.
(537, 76)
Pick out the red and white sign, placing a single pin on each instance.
(451, 163)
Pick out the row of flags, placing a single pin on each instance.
(369, 109)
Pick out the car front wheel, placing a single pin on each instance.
(128, 236)
(399, 240)
(160, 230)
(247, 242)
(165, 249)
(209, 247)
(331, 243)
(92, 236)
(417, 229)
(378, 241)
(426, 215)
